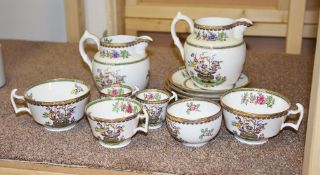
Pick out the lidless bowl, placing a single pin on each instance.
(194, 121)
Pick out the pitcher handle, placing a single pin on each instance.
(174, 96)
(300, 111)
(86, 35)
(146, 126)
(175, 38)
(14, 96)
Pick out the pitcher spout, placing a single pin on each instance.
(240, 26)
(142, 44)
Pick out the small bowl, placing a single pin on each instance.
(57, 104)
(254, 115)
(155, 102)
(194, 121)
(117, 90)
(114, 120)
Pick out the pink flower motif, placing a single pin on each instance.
(129, 108)
(260, 99)
(114, 92)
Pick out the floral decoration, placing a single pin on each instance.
(125, 107)
(115, 91)
(111, 133)
(211, 36)
(152, 96)
(154, 112)
(77, 89)
(115, 54)
(106, 77)
(60, 116)
(258, 99)
(174, 130)
(206, 68)
(206, 133)
(192, 107)
(249, 128)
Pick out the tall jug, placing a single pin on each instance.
(121, 59)
(214, 53)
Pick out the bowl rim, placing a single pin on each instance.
(196, 121)
(250, 114)
(153, 102)
(115, 120)
(58, 102)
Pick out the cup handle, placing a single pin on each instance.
(146, 126)
(14, 96)
(86, 35)
(175, 38)
(290, 112)
(174, 96)
(136, 89)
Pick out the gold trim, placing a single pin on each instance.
(116, 120)
(122, 45)
(209, 47)
(253, 115)
(116, 85)
(225, 27)
(197, 121)
(56, 103)
(116, 64)
(153, 102)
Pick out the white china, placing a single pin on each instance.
(194, 121)
(155, 102)
(254, 115)
(118, 90)
(114, 120)
(214, 53)
(181, 79)
(121, 59)
(57, 104)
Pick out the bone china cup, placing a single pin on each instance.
(57, 104)
(117, 90)
(114, 120)
(194, 121)
(155, 102)
(254, 115)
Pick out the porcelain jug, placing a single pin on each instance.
(121, 59)
(214, 53)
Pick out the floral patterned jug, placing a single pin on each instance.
(214, 52)
(121, 59)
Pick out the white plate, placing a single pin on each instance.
(182, 80)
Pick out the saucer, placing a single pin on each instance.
(181, 79)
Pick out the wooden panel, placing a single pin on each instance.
(312, 146)
(295, 26)
(115, 15)
(12, 167)
(74, 19)
(254, 14)
(259, 29)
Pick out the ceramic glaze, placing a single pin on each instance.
(57, 104)
(121, 59)
(214, 53)
(114, 120)
(155, 102)
(194, 121)
(254, 115)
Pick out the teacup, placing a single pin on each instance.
(254, 115)
(117, 90)
(57, 104)
(155, 102)
(194, 121)
(114, 120)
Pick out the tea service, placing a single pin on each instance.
(210, 87)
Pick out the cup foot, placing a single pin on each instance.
(194, 144)
(118, 145)
(60, 129)
(251, 142)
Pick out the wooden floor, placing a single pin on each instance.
(254, 44)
